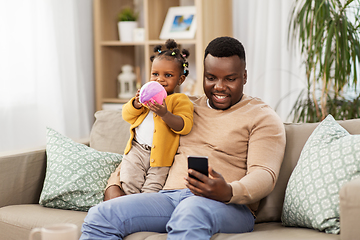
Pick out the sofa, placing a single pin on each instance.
(22, 176)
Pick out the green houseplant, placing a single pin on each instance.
(127, 14)
(328, 35)
(127, 23)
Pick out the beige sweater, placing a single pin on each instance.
(245, 144)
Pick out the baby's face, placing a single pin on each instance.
(167, 73)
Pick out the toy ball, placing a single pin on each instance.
(152, 91)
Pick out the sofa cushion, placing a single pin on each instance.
(268, 231)
(270, 207)
(76, 174)
(110, 132)
(16, 221)
(330, 158)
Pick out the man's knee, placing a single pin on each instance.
(195, 208)
(94, 214)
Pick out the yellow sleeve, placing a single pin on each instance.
(183, 107)
(130, 113)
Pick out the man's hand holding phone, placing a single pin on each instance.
(214, 187)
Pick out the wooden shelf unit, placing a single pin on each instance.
(214, 18)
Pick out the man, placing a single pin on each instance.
(244, 140)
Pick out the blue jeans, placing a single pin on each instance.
(177, 212)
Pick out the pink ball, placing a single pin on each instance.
(152, 91)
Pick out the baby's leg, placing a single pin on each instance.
(133, 169)
(155, 179)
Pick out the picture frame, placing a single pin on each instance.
(180, 23)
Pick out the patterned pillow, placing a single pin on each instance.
(76, 174)
(330, 158)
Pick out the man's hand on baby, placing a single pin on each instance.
(214, 187)
(159, 109)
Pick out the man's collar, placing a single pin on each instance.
(208, 104)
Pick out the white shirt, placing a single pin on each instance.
(145, 131)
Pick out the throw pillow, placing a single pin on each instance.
(330, 158)
(76, 174)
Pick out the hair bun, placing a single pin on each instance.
(157, 48)
(185, 53)
(170, 44)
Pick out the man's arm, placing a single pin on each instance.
(113, 189)
(265, 152)
(266, 147)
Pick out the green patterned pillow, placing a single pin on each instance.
(330, 158)
(76, 174)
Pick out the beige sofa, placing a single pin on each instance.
(22, 175)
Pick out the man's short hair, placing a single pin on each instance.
(225, 47)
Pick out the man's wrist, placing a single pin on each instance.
(230, 194)
(113, 191)
(111, 185)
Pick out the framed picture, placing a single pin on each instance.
(180, 23)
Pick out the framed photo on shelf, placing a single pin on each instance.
(180, 23)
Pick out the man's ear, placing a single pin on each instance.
(245, 76)
(182, 79)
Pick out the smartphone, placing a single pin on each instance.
(198, 163)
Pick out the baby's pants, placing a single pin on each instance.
(136, 175)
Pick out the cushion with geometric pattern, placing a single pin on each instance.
(76, 174)
(330, 158)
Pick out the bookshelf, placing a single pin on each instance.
(213, 19)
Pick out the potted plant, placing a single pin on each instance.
(126, 24)
(328, 34)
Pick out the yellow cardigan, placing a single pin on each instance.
(165, 139)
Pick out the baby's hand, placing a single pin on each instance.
(157, 108)
(136, 103)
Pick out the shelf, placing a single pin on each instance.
(179, 41)
(111, 54)
(150, 42)
(115, 100)
(118, 43)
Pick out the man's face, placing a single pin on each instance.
(224, 79)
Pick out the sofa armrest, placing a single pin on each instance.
(22, 175)
(350, 210)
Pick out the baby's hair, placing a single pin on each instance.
(172, 51)
(225, 47)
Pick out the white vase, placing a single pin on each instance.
(126, 30)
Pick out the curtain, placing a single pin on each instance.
(46, 71)
(275, 71)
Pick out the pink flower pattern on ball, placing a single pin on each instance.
(152, 91)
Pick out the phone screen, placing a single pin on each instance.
(198, 163)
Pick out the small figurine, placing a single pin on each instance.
(127, 80)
